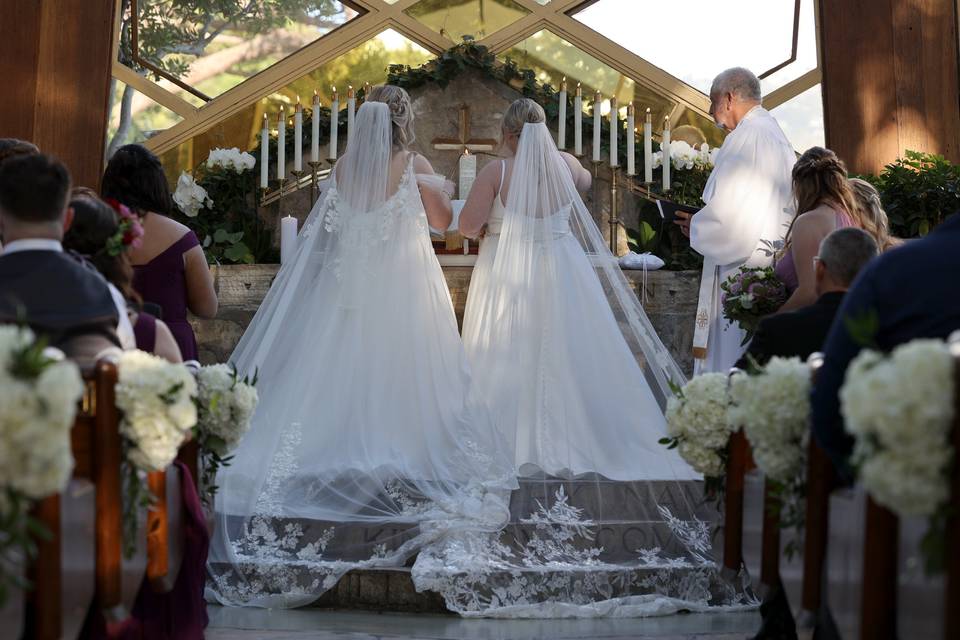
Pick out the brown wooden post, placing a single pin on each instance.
(951, 624)
(770, 541)
(44, 619)
(107, 458)
(878, 606)
(820, 481)
(890, 79)
(733, 502)
(55, 61)
(158, 529)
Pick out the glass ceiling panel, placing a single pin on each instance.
(142, 120)
(213, 51)
(802, 119)
(704, 40)
(365, 63)
(455, 19)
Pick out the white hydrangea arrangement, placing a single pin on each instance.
(773, 408)
(900, 409)
(38, 403)
(231, 160)
(190, 196)
(697, 423)
(684, 156)
(225, 405)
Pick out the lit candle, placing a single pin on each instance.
(578, 122)
(264, 152)
(298, 137)
(366, 91)
(315, 129)
(665, 147)
(351, 110)
(281, 145)
(631, 141)
(648, 148)
(614, 126)
(596, 126)
(288, 238)
(562, 120)
(468, 173)
(334, 118)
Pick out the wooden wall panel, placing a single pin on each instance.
(890, 79)
(55, 57)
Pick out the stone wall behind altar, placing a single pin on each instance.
(671, 304)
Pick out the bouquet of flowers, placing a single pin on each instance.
(749, 295)
(225, 405)
(683, 156)
(156, 398)
(900, 409)
(190, 196)
(38, 403)
(697, 423)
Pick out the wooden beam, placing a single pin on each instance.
(152, 90)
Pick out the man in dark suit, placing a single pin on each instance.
(56, 294)
(802, 332)
(909, 292)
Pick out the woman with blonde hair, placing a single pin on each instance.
(872, 215)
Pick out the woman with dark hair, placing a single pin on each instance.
(824, 203)
(105, 236)
(170, 269)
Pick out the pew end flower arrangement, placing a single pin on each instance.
(900, 408)
(225, 406)
(39, 395)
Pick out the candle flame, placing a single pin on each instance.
(466, 151)
(648, 109)
(316, 94)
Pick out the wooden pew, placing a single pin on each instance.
(96, 449)
(952, 561)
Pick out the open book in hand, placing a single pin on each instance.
(668, 210)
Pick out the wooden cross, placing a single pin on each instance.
(463, 139)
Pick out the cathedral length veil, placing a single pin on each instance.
(364, 447)
(606, 521)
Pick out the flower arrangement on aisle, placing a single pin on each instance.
(39, 393)
(772, 406)
(749, 295)
(225, 405)
(697, 425)
(156, 398)
(900, 408)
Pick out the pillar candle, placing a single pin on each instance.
(596, 127)
(281, 145)
(665, 147)
(614, 126)
(578, 122)
(315, 129)
(264, 152)
(288, 238)
(468, 173)
(351, 110)
(562, 120)
(334, 118)
(631, 140)
(648, 148)
(298, 137)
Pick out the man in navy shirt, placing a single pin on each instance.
(910, 292)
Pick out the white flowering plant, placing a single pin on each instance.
(772, 405)
(157, 401)
(190, 197)
(231, 160)
(225, 405)
(900, 409)
(697, 425)
(39, 395)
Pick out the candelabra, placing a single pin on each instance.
(614, 211)
(314, 194)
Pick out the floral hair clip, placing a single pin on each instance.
(129, 232)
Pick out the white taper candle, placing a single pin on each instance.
(351, 112)
(298, 137)
(578, 122)
(631, 141)
(665, 147)
(334, 122)
(648, 148)
(281, 145)
(264, 152)
(315, 129)
(562, 119)
(614, 126)
(596, 127)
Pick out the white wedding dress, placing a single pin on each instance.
(365, 445)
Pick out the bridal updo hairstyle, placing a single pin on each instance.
(519, 113)
(401, 113)
(135, 177)
(820, 178)
(872, 215)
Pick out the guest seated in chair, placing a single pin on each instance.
(102, 236)
(800, 333)
(56, 293)
(909, 292)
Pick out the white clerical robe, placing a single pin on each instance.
(748, 207)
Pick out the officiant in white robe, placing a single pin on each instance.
(748, 207)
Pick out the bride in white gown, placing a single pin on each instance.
(365, 445)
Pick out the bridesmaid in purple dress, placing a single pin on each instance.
(824, 203)
(170, 268)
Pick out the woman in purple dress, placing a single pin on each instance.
(105, 237)
(170, 269)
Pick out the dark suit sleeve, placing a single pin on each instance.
(839, 350)
(760, 347)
